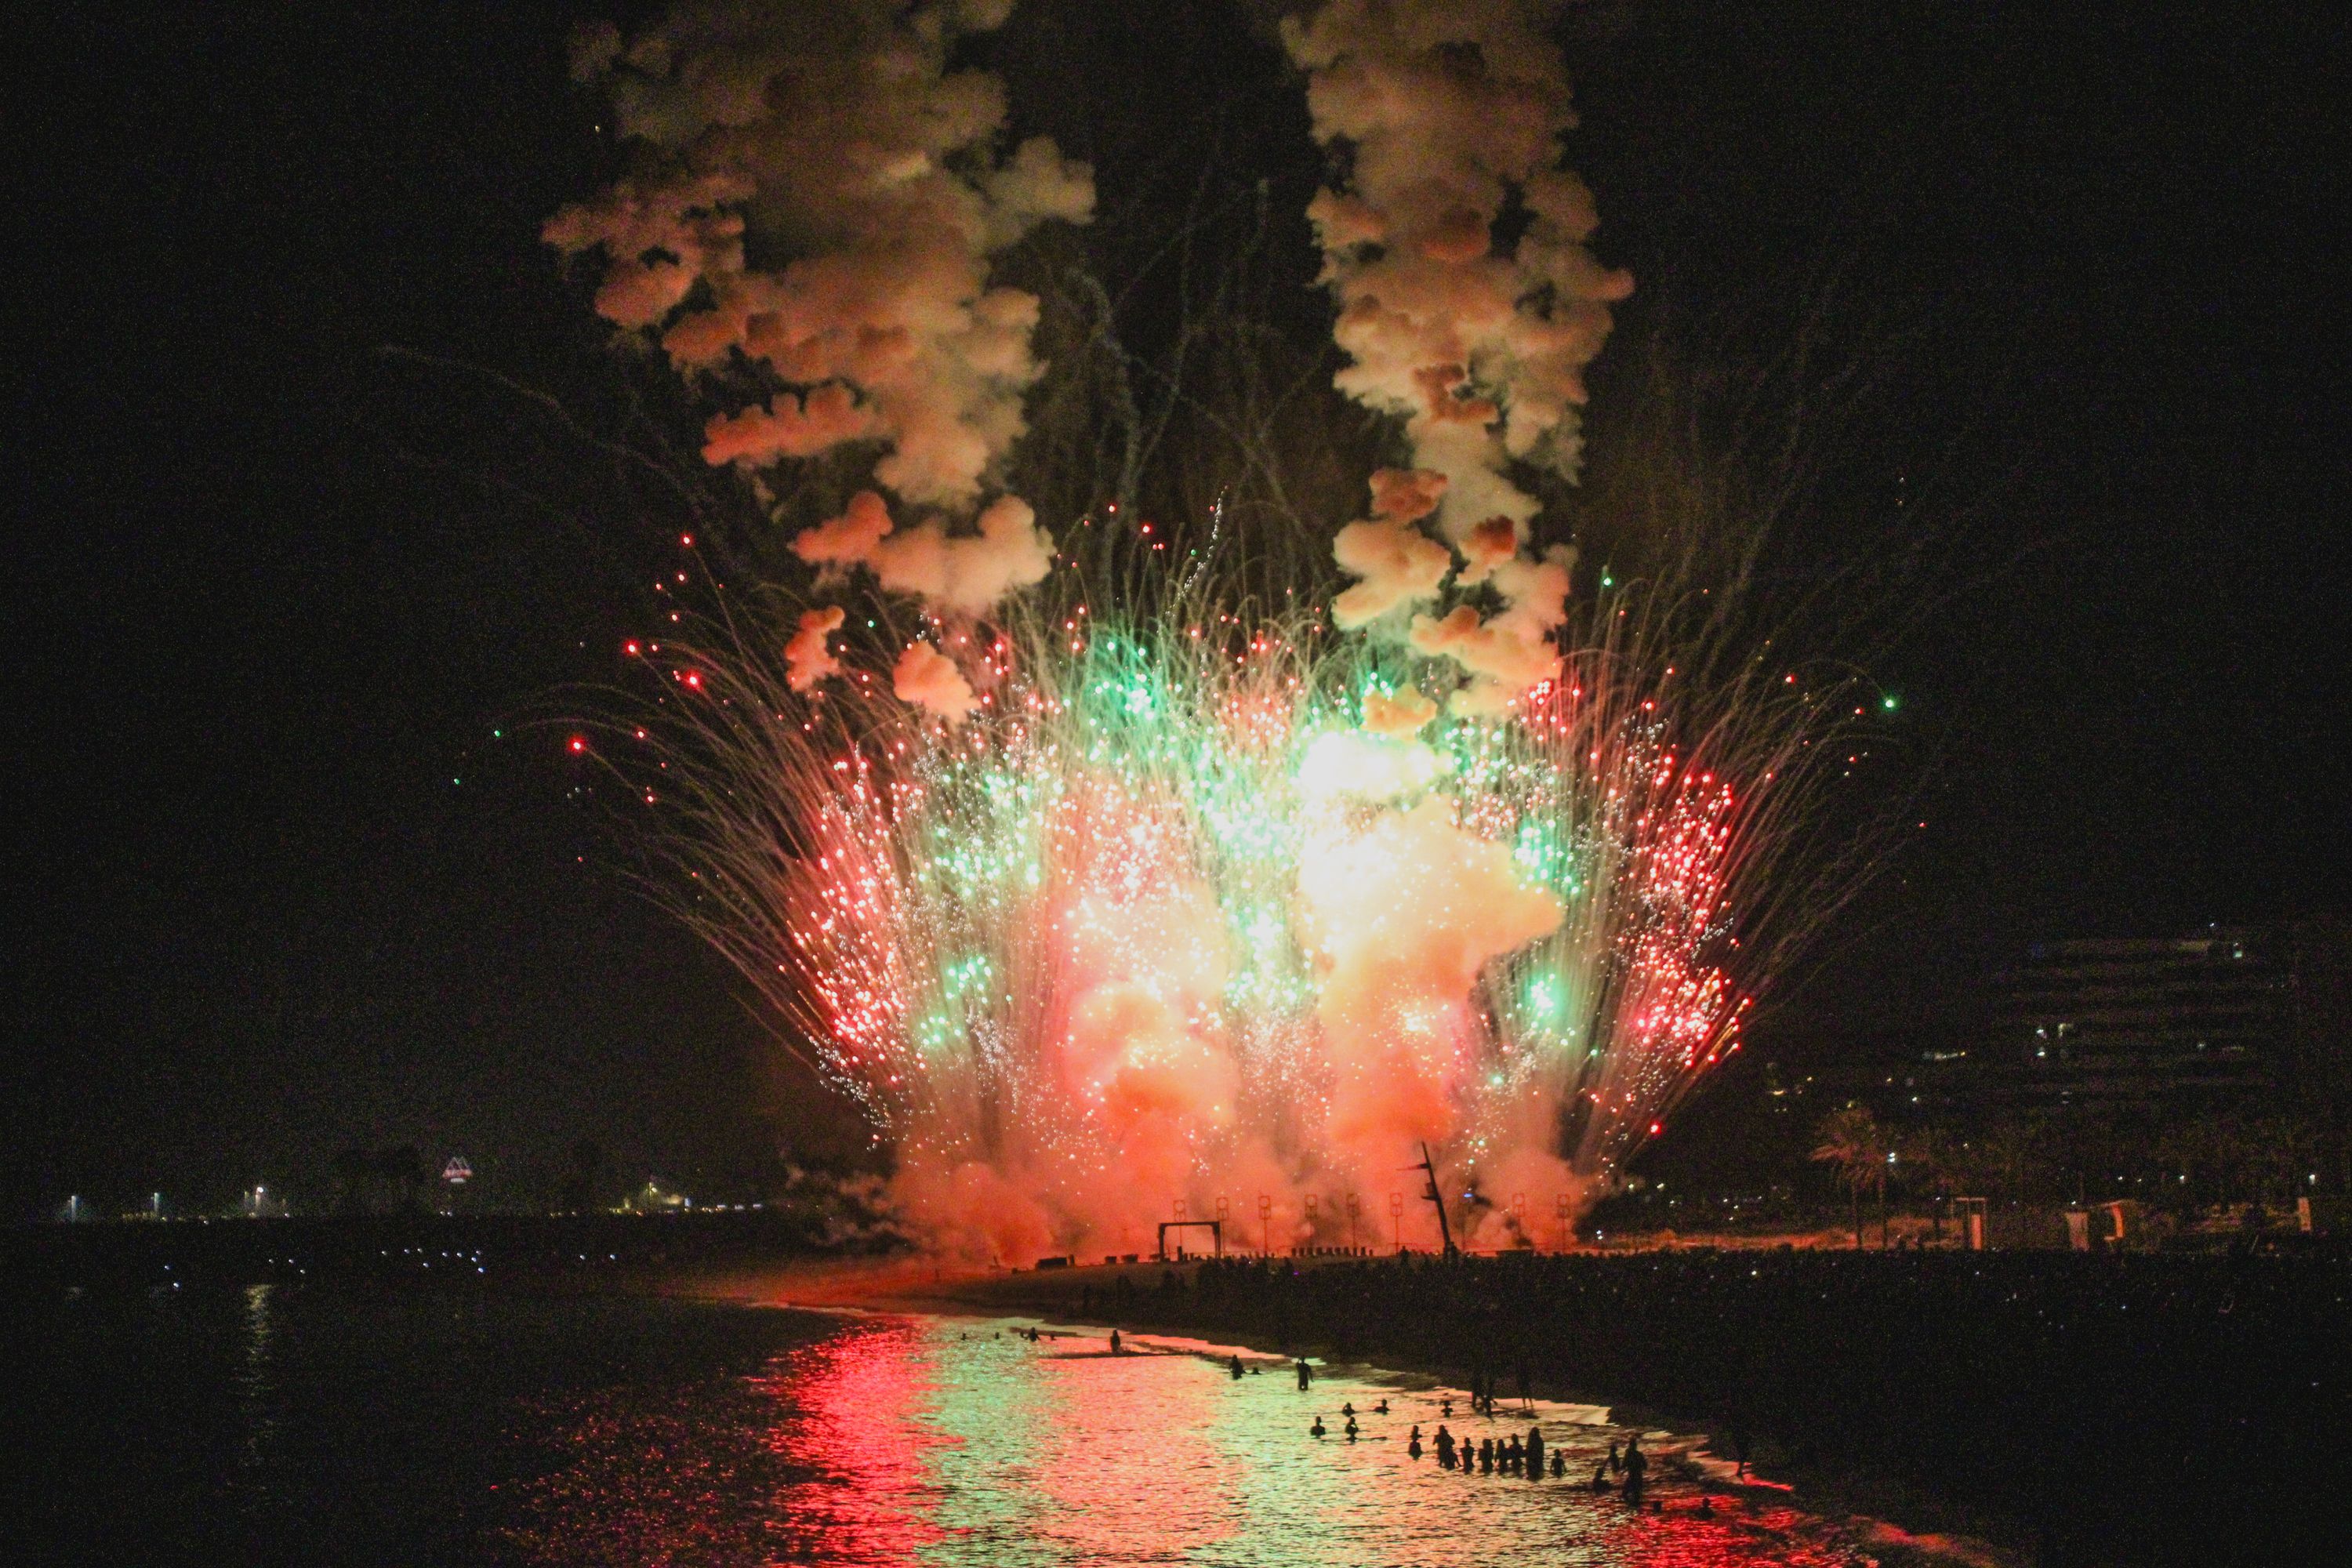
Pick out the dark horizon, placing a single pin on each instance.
(298, 867)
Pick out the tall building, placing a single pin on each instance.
(2147, 1025)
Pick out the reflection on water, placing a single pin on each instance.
(261, 1410)
(905, 1440)
(305, 1425)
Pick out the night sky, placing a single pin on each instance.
(278, 889)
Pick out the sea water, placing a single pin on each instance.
(331, 1425)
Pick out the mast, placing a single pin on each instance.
(1428, 1167)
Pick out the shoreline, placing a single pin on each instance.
(1894, 1514)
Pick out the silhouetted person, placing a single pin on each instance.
(1513, 1455)
(1444, 1447)
(1349, 1410)
(1487, 1456)
(1113, 1343)
(1316, 1430)
(1237, 1369)
(1534, 1453)
(1445, 1408)
(1525, 1397)
(1600, 1475)
(1739, 1446)
(1381, 1408)
(1351, 1430)
(1616, 1464)
(1559, 1463)
(1637, 1465)
(1413, 1444)
(1305, 1375)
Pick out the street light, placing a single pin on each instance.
(1396, 1220)
(1265, 1223)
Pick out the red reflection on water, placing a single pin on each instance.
(898, 1441)
(854, 1423)
(1683, 1535)
(1127, 1458)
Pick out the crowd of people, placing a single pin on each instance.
(2182, 1408)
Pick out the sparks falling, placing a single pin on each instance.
(1122, 880)
(1192, 903)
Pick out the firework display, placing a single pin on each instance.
(1194, 905)
(1116, 881)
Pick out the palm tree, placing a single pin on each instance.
(1932, 1158)
(1853, 1140)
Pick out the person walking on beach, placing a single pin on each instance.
(1306, 1376)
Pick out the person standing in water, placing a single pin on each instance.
(1637, 1463)
(1305, 1375)
(1444, 1447)
(1113, 1343)
(1534, 1453)
(1413, 1444)
(1316, 1430)
(1237, 1369)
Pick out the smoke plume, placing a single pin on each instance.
(1469, 306)
(930, 680)
(815, 199)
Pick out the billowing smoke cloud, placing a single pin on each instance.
(817, 198)
(1396, 563)
(965, 572)
(1469, 305)
(1405, 911)
(807, 658)
(929, 679)
(1510, 652)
